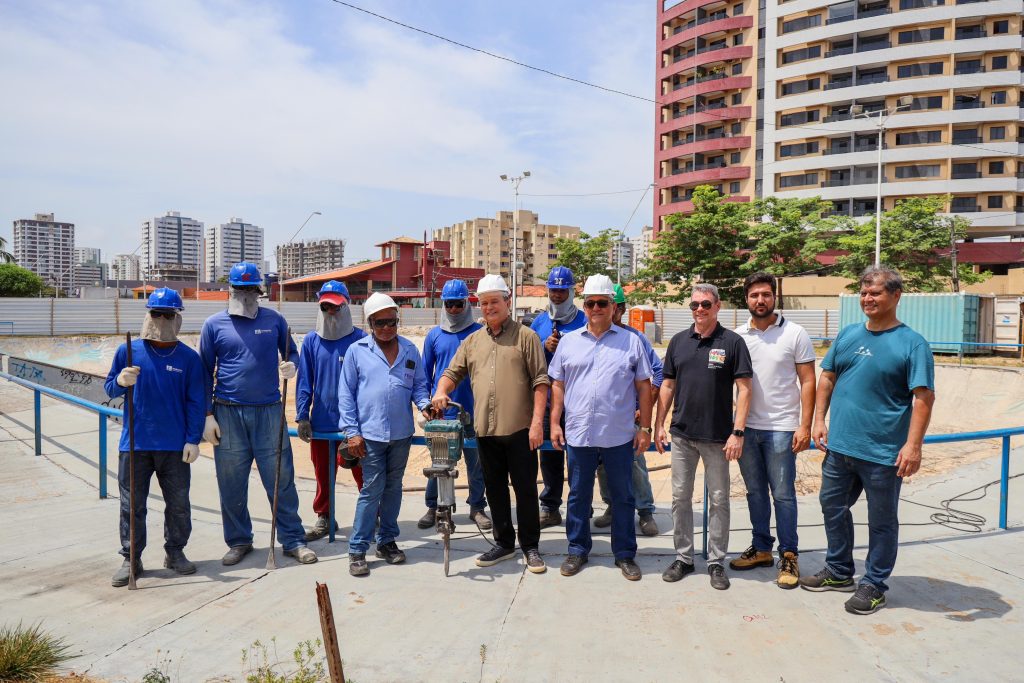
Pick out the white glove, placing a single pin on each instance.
(286, 369)
(305, 430)
(190, 452)
(128, 376)
(211, 432)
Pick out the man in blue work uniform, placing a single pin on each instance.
(381, 376)
(561, 316)
(438, 350)
(316, 393)
(245, 349)
(169, 407)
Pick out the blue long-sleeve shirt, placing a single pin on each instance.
(168, 399)
(316, 389)
(374, 397)
(438, 350)
(240, 357)
(543, 325)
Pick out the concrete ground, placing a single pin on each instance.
(951, 613)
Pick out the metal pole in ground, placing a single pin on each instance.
(330, 633)
(1004, 482)
(130, 403)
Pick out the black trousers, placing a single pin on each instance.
(174, 477)
(552, 470)
(506, 459)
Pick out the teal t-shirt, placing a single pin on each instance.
(876, 373)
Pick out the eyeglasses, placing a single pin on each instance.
(456, 304)
(694, 305)
(381, 323)
(162, 314)
(329, 308)
(599, 303)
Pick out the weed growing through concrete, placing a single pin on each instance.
(262, 664)
(28, 653)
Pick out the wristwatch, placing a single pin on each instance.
(737, 432)
(646, 429)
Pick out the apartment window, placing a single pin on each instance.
(929, 102)
(1000, 62)
(734, 188)
(1001, 26)
(913, 70)
(927, 137)
(996, 167)
(798, 150)
(737, 39)
(480, 253)
(914, 4)
(798, 87)
(801, 180)
(758, 155)
(760, 34)
(737, 98)
(804, 53)
(799, 118)
(922, 36)
(843, 11)
(968, 66)
(963, 171)
(997, 133)
(801, 24)
(737, 9)
(736, 128)
(927, 171)
(999, 97)
(995, 201)
(734, 158)
(737, 68)
(965, 136)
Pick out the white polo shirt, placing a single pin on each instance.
(774, 353)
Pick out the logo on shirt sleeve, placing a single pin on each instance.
(716, 358)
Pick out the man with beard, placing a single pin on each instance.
(245, 350)
(560, 317)
(778, 427)
(316, 394)
(169, 406)
(438, 350)
(381, 376)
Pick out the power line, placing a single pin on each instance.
(590, 194)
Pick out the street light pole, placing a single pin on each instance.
(280, 273)
(199, 263)
(514, 270)
(857, 111)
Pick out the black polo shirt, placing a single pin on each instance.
(705, 369)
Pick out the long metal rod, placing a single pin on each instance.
(130, 411)
(271, 561)
(37, 405)
(1004, 482)
(103, 456)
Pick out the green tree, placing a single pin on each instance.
(588, 255)
(5, 256)
(18, 281)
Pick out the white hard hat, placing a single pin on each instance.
(492, 283)
(599, 285)
(376, 303)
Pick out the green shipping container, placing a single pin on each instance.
(945, 320)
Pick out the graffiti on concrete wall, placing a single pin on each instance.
(75, 382)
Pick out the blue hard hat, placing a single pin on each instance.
(454, 289)
(331, 291)
(245, 274)
(561, 278)
(165, 297)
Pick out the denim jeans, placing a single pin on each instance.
(383, 469)
(685, 455)
(476, 500)
(618, 464)
(174, 477)
(843, 478)
(642, 491)
(248, 434)
(768, 464)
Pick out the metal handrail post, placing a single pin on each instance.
(332, 469)
(103, 456)
(1004, 482)
(37, 404)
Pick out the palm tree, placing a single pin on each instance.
(5, 256)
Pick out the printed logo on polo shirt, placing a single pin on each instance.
(171, 368)
(863, 351)
(716, 358)
(258, 331)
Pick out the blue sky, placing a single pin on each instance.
(116, 111)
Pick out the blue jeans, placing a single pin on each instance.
(476, 500)
(642, 491)
(247, 434)
(842, 480)
(618, 466)
(768, 464)
(383, 469)
(174, 477)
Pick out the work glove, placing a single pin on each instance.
(286, 369)
(305, 430)
(211, 432)
(128, 376)
(190, 453)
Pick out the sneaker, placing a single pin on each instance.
(357, 564)
(648, 527)
(629, 569)
(604, 520)
(494, 556)
(390, 553)
(573, 564)
(120, 578)
(789, 570)
(825, 580)
(676, 571)
(534, 562)
(867, 600)
(428, 520)
(751, 559)
(176, 560)
(235, 554)
(550, 518)
(302, 554)
(719, 581)
(480, 518)
(320, 529)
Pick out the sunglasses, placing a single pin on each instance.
(328, 308)
(694, 305)
(381, 323)
(456, 304)
(162, 314)
(599, 303)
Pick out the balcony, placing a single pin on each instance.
(839, 51)
(1020, 173)
(839, 20)
(968, 70)
(965, 175)
(965, 34)
(974, 104)
(832, 118)
(879, 45)
(837, 183)
(874, 12)
(964, 208)
(873, 78)
(966, 140)
(834, 85)
(850, 150)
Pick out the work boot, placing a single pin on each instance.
(428, 520)
(176, 560)
(235, 554)
(789, 570)
(719, 581)
(303, 554)
(572, 565)
(550, 518)
(629, 569)
(480, 518)
(751, 559)
(390, 553)
(321, 528)
(604, 520)
(357, 564)
(648, 527)
(120, 578)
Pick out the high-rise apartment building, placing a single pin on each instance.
(955, 67)
(88, 255)
(88, 270)
(487, 243)
(46, 247)
(642, 247)
(620, 261)
(308, 257)
(230, 243)
(172, 244)
(125, 267)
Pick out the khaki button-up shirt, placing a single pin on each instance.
(503, 371)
